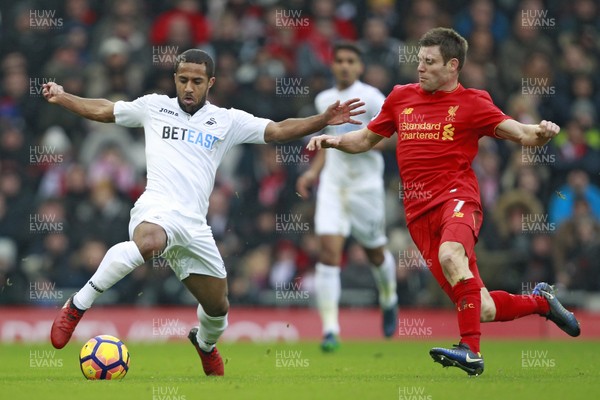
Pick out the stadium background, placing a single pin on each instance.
(67, 185)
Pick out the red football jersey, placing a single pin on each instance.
(438, 136)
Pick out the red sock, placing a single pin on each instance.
(468, 303)
(511, 306)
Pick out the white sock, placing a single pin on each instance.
(211, 329)
(118, 261)
(385, 278)
(328, 288)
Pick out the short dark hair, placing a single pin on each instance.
(452, 45)
(196, 56)
(347, 46)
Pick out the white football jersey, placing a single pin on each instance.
(360, 170)
(183, 151)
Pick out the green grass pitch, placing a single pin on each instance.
(359, 370)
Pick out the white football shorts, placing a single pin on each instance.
(191, 247)
(346, 211)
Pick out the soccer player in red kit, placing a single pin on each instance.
(439, 124)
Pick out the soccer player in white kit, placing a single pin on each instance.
(350, 200)
(186, 138)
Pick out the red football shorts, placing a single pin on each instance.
(452, 221)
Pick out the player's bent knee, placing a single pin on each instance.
(453, 259)
(376, 256)
(330, 258)
(488, 309)
(150, 239)
(217, 309)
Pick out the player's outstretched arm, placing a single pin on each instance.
(307, 180)
(295, 128)
(100, 110)
(527, 134)
(352, 142)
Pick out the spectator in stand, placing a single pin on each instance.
(522, 42)
(582, 25)
(575, 248)
(314, 54)
(126, 20)
(378, 47)
(183, 12)
(79, 12)
(104, 213)
(115, 75)
(573, 151)
(562, 203)
(482, 15)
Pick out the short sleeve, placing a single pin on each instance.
(383, 123)
(375, 103)
(131, 114)
(246, 128)
(486, 115)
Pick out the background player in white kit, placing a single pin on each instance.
(186, 138)
(350, 200)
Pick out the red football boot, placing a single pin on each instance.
(64, 324)
(212, 363)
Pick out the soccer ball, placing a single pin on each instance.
(104, 357)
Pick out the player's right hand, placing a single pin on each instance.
(323, 142)
(305, 182)
(51, 91)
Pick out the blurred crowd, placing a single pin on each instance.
(67, 185)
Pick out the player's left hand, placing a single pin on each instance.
(323, 142)
(337, 114)
(547, 130)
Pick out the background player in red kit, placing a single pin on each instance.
(439, 124)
